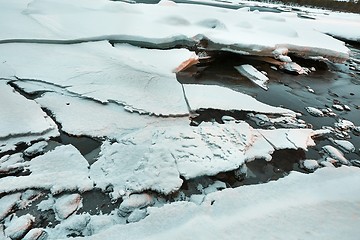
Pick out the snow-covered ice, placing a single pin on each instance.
(36, 124)
(69, 20)
(314, 111)
(147, 85)
(296, 204)
(7, 203)
(217, 97)
(155, 157)
(254, 75)
(73, 59)
(63, 169)
(17, 227)
(67, 205)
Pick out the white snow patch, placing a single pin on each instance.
(344, 145)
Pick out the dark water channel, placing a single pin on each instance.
(331, 83)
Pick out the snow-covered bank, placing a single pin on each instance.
(322, 205)
(91, 20)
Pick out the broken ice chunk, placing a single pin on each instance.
(19, 226)
(338, 107)
(135, 201)
(310, 164)
(14, 127)
(36, 234)
(67, 205)
(253, 75)
(343, 124)
(335, 154)
(216, 186)
(11, 163)
(7, 203)
(293, 67)
(62, 169)
(35, 148)
(314, 111)
(346, 146)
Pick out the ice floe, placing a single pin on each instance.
(155, 157)
(254, 75)
(216, 97)
(335, 154)
(63, 169)
(14, 127)
(314, 111)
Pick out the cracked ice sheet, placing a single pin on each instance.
(105, 73)
(63, 169)
(260, 32)
(217, 97)
(21, 120)
(290, 208)
(79, 116)
(134, 163)
(289, 138)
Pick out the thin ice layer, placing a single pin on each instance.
(63, 169)
(21, 120)
(299, 205)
